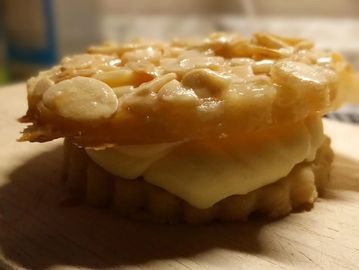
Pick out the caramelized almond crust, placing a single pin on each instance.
(223, 84)
(140, 200)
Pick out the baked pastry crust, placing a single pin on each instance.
(140, 200)
(115, 93)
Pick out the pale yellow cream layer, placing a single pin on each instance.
(202, 174)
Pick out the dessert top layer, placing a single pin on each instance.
(151, 92)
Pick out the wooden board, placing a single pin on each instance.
(36, 232)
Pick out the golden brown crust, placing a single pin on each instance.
(141, 200)
(182, 89)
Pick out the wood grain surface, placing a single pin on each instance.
(38, 232)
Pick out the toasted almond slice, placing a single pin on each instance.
(118, 77)
(173, 92)
(156, 84)
(109, 48)
(195, 54)
(241, 61)
(81, 99)
(143, 98)
(123, 90)
(151, 54)
(297, 74)
(212, 62)
(38, 89)
(269, 41)
(243, 72)
(84, 61)
(262, 66)
(304, 81)
(205, 82)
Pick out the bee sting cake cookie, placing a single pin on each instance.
(192, 130)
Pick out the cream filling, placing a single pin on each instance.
(203, 176)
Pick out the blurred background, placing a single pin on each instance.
(35, 34)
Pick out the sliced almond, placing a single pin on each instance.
(123, 90)
(269, 41)
(173, 92)
(81, 99)
(263, 66)
(144, 98)
(313, 86)
(38, 90)
(251, 101)
(84, 61)
(212, 62)
(205, 82)
(243, 72)
(301, 77)
(150, 54)
(118, 77)
(241, 61)
(154, 85)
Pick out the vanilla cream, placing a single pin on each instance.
(203, 176)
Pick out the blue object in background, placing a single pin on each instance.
(40, 32)
(44, 55)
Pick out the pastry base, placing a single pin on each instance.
(138, 199)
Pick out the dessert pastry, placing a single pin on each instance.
(192, 130)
